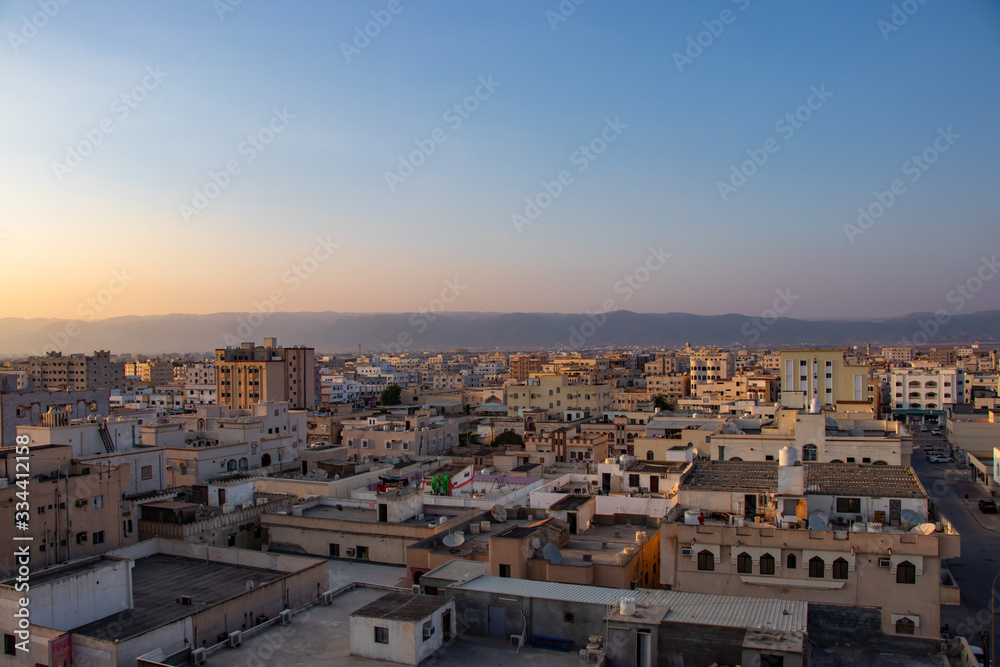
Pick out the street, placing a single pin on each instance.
(946, 486)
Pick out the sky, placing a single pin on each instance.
(381, 156)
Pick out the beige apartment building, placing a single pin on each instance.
(898, 354)
(75, 509)
(821, 375)
(712, 364)
(249, 374)
(76, 372)
(673, 386)
(553, 395)
(523, 365)
(823, 533)
(156, 372)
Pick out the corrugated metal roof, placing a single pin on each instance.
(701, 608)
(728, 610)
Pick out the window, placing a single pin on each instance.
(9, 645)
(633, 480)
(905, 626)
(98, 537)
(767, 564)
(840, 569)
(810, 453)
(428, 630)
(817, 568)
(334, 550)
(504, 570)
(906, 573)
(791, 562)
(146, 472)
(706, 561)
(744, 563)
(98, 502)
(381, 635)
(362, 553)
(849, 505)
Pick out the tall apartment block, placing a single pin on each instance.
(249, 374)
(76, 372)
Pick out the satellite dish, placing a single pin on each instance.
(551, 553)
(499, 513)
(818, 521)
(453, 539)
(924, 528)
(911, 517)
(535, 543)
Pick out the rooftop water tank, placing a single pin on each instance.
(788, 456)
(627, 607)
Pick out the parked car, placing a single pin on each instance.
(988, 506)
(936, 431)
(939, 458)
(924, 429)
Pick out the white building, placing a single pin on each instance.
(923, 394)
(402, 627)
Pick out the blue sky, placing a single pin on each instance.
(345, 120)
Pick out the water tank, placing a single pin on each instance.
(484, 526)
(691, 517)
(473, 528)
(788, 456)
(814, 406)
(442, 519)
(627, 607)
(640, 538)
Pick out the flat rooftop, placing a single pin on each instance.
(402, 606)
(364, 515)
(570, 503)
(158, 582)
(322, 637)
(658, 467)
(58, 572)
(833, 479)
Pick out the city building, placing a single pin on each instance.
(553, 395)
(249, 374)
(925, 395)
(821, 375)
(76, 372)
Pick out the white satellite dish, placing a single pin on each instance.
(551, 553)
(453, 539)
(818, 521)
(535, 543)
(499, 513)
(924, 528)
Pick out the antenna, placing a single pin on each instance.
(551, 553)
(499, 513)
(453, 539)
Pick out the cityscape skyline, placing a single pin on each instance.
(730, 151)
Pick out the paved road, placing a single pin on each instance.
(947, 485)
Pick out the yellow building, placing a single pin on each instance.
(553, 394)
(823, 375)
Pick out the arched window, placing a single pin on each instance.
(767, 564)
(836, 461)
(706, 561)
(201, 424)
(744, 563)
(231, 464)
(649, 454)
(906, 573)
(735, 458)
(810, 453)
(840, 569)
(906, 626)
(817, 568)
(880, 463)
(244, 463)
(791, 562)
(265, 460)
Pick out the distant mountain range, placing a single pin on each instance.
(393, 332)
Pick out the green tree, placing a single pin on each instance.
(506, 438)
(391, 395)
(663, 403)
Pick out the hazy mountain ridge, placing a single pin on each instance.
(393, 332)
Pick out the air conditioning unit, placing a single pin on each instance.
(685, 551)
(81, 502)
(285, 617)
(350, 551)
(186, 600)
(198, 656)
(885, 562)
(235, 639)
(415, 589)
(328, 597)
